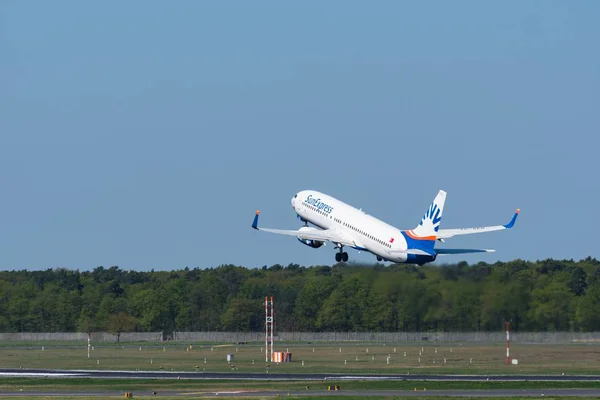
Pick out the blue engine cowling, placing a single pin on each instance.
(315, 244)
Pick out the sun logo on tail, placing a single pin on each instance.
(432, 217)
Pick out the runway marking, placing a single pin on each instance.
(38, 374)
(233, 392)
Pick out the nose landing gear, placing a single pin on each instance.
(305, 222)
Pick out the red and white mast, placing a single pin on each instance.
(269, 320)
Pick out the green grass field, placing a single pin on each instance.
(356, 358)
(291, 397)
(308, 358)
(114, 388)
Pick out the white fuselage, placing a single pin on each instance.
(367, 232)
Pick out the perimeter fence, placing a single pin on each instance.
(81, 337)
(312, 337)
(393, 337)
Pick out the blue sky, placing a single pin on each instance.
(145, 134)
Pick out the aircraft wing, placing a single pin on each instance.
(448, 233)
(323, 235)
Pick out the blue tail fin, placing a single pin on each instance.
(424, 235)
(430, 223)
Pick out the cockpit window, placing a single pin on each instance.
(296, 195)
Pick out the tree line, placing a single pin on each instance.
(546, 295)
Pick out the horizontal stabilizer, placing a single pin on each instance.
(417, 252)
(463, 251)
(448, 233)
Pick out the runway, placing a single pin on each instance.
(127, 374)
(419, 379)
(360, 393)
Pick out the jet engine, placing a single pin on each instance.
(315, 244)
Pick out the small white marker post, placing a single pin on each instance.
(356, 358)
(89, 346)
(340, 349)
(303, 363)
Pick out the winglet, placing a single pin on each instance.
(513, 220)
(255, 223)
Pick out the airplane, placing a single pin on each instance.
(346, 226)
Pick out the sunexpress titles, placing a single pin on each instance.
(318, 204)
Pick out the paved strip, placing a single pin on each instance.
(116, 374)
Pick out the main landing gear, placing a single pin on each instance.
(341, 255)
